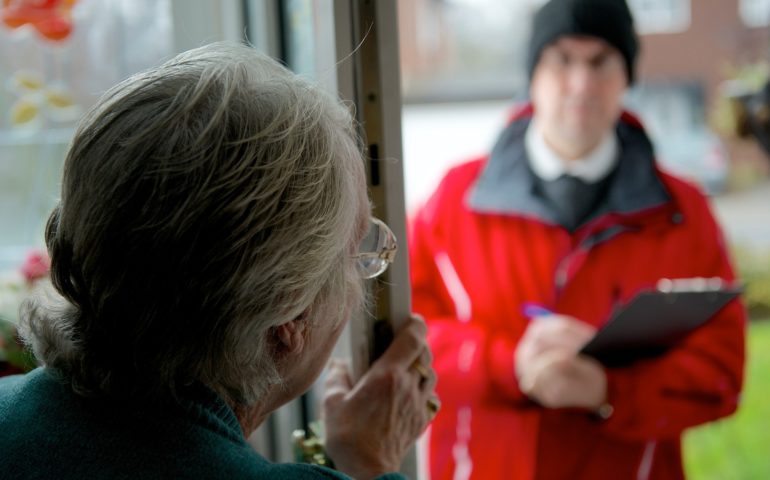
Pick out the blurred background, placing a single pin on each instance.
(462, 66)
(468, 57)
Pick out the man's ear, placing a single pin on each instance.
(290, 336)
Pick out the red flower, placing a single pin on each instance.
(51, 18)
(36, 266)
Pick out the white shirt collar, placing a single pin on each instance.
(548, 165)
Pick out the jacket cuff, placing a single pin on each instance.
(502, 369)
(617, 410)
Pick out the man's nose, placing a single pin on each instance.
(582, 78)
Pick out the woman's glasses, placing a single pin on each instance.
(377, 250)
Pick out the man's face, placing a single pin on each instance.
(577, 90)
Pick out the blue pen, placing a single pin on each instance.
(532, 310)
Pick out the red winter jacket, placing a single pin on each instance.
(484, 244)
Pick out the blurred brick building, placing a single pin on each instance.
(459, 50)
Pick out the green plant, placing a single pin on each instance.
(12, 349)
(738, 80)
(754, 270)
(14, 287)
(736, 447)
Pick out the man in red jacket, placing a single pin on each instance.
(568, 211)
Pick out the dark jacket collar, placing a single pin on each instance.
(507, 185)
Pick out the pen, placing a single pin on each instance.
(532, 310)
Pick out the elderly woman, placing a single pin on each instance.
(206, 254)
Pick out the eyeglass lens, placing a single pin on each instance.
(373, 258)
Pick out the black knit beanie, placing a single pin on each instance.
(609, 20)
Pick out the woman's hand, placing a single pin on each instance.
(370, 425)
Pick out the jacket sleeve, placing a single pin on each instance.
(696, 382)
(470, 360)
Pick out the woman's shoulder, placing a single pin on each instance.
(21, 390)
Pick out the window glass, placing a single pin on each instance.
(463, 49)
(755, 13)
(308, 39)
(661, 16)
(56, 58)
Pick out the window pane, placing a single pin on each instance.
(661, 16)
(50, 78)
(463, 49)
(755, 13)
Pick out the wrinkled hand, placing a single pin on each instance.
(550, 371)
(371, 425)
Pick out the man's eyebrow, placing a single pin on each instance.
(601, 55)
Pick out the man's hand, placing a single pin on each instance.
(549, 369)
(371, 425)
(550, 333)
(558, 379)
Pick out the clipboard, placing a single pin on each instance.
(657, 319)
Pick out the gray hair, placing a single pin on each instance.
(203, 203)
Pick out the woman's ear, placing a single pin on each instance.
(290, 336)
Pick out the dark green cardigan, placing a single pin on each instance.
(47, 432)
